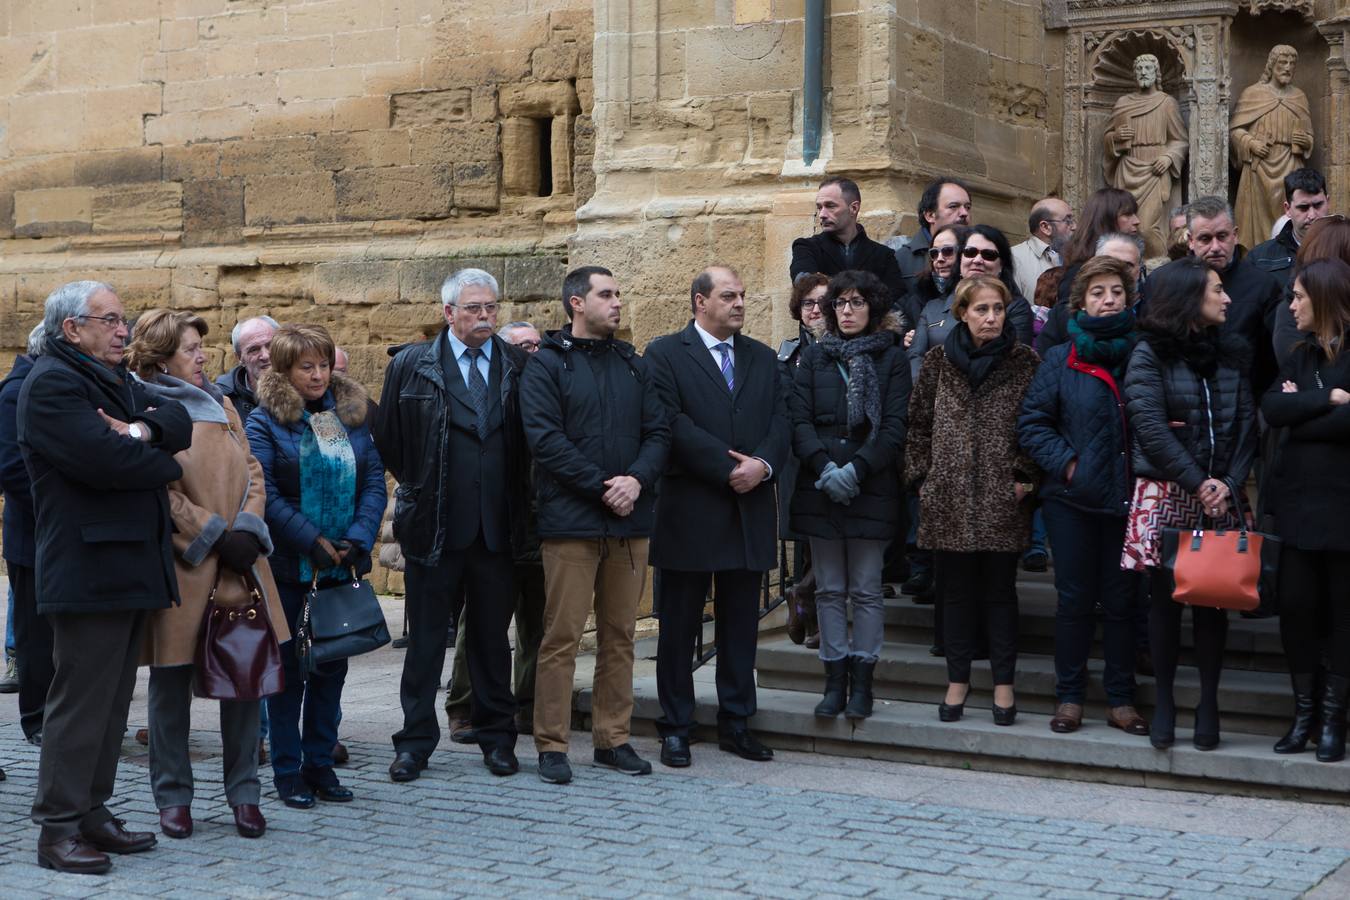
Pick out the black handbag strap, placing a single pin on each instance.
(1237, 503)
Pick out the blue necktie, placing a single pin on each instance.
(727, 371)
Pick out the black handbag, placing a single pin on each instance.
(338, 622)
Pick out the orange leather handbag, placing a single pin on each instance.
(1220, 568)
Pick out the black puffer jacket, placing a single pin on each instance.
(1311, 473)
(1187, 427)
(1276, 256)
(590, 413)
(821, 434)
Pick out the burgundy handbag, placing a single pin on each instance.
(238, 657)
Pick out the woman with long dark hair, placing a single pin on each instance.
(1193, 439)
(1107, 211)
(984, 250)
(848, 415)
(933, 295)
(1311, 493)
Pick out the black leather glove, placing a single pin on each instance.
(238, 550)
(320, 558)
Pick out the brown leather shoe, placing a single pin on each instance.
(1067, 718)
(72, 854)
(112, 837)
(143, 736)
(1127, 719)
(462, 732)
(249, 821)
(176, 821)
(340, 755)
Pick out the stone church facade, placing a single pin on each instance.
(333, 160)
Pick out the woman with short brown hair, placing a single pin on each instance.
(219, 537)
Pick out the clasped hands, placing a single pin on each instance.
(840, 483)
(622, 492)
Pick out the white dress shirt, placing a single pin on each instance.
(459, 349)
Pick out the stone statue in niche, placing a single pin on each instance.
(1146, 147)
(1272, 135)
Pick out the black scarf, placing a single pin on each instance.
(1105, 341)
(1201, 350)
(864, 393)
(978, 362)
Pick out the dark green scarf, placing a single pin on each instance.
(1104, 341)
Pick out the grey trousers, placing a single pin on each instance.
(849, 571)
(170, 708)
(94, 657)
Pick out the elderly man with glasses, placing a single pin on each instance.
(450, 432)
(101, 459)
(1049, 227)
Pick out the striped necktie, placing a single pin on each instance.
(728, 372)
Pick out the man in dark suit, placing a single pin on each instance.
(450, 431)
(716, 522)
(100, 459)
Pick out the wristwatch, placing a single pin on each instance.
(135, 430)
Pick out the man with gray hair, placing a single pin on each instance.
(252, 341)
(101, 459)
(450, 432)
(521, 334)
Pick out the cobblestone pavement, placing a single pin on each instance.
(460, 831)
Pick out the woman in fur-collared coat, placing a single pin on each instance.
(325, 498)
(219, 541)
(974, 481)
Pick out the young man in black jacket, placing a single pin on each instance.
(599, 437)
(843, 244)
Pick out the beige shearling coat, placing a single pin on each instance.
(221, 489)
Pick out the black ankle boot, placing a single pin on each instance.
(1206, 734)
(1162, 732)
(836, 688)
(1295, 740)
(860, 688)
(1331, 743)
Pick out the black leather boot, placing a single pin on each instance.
(1295, 740)
(860, 688)
(836, 688)
(1331, 743)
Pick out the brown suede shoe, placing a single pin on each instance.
(112, 837)
(1127, 719)
(1067, 719)
(72, 854)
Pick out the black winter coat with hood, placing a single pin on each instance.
(591, 413)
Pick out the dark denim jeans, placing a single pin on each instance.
(304, 717)
(1087, 574)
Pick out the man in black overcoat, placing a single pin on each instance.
(716, 524)
(100, 458)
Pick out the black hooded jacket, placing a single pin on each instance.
(590, 413)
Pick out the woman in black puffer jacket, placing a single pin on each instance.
(1193, 429)
(849, 409)
(1073, 425)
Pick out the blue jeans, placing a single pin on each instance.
(1037, 533)
(304, 717)
(9, 624)
(1088, 573)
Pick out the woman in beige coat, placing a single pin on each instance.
(219, 539)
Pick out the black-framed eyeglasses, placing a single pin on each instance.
(854, 302)
(111, 320)
(944, 252)
(988, 254)
(1067, 220)
(810, 304)
(528, 346)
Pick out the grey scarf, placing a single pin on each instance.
(203, 404)
(864, 393)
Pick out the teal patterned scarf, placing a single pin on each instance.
(327, 483)
(1105, 341)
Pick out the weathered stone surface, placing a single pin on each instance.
(53, 211)
(363, 283)
(478, 186)
(462, 143)
(264, 285)
(521, 163)
(420, 280)
(538, 99)
(274, 156)
(154, 207)
(119, 167)
(213, 210)
(289, 199)
(362, 150)
(533, 278)
(402, 192)
(432, 109)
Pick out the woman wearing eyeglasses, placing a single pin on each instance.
(983, 250)
(933, 295)
(848, 415)
(973, 480)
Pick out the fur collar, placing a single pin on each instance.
(1232, 351)
(283, 403)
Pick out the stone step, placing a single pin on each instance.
(910, 732)
(1254, 702)
(1252, 643)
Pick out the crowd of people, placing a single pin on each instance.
(952, 407)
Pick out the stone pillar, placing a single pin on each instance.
(1336, 144)
(520, 156)
(1210, 89)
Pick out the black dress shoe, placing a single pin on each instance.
(744, 744)
(73, 854)
(333, 793)
(299, 800)
(1005, 715)
(675, 752)
(406, 767)
(951, 712)
(112, 837)
(1205, 741)
(501, 761)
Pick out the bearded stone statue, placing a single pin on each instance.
(1272, 135)
(1146, 147)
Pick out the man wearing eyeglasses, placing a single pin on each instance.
(450, 432)
(1049, 227)
(100, 459)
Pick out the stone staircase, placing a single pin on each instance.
(1254, 700)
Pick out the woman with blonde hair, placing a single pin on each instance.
(219, 540)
